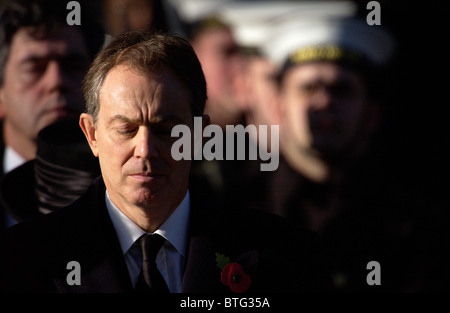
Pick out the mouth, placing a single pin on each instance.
(60, 111)
(146, 177)
(324, 125)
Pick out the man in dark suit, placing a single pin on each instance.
(42, 63)
(62, 171)
(139, 87)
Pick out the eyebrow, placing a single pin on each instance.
(157, 119)
(71, 56)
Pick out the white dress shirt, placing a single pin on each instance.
(170, 258)
(11, 160)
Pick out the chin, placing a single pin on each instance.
(145, 198)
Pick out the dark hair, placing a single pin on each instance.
(46, 17)
(199, 26)
(147, 53)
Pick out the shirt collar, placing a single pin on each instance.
(11, 159)
(174, 229)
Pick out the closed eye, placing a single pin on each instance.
(129, 132)
(310, 88)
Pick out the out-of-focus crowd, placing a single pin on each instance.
(325, 72)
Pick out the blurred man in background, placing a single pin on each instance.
(148, 15)
(222, 62)
(42, 63)
(330, 179)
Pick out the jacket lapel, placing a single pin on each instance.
(210, 234)
(236, 235)
(93, 243)
(201, 272)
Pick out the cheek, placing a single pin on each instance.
(213, 77)
(352, 114)
(295, 120)
(19, 105)
(22, 85)
(112, 154)
(217, 71)
(295, 112)
(14, 93)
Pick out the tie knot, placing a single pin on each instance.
(150, 244)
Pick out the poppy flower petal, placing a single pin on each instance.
(233, 275)
(242, 285)
(225, 275)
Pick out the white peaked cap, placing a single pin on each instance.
(252, 20)
(372, 42)
(193, 10)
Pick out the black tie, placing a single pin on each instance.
(150, 279)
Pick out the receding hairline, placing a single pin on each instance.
(147, 74)
(150, 73)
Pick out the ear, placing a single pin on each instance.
(2, 101)
(88, 127)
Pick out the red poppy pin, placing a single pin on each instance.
(233, 274)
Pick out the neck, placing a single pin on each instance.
(18, 141)
(149, 217)
(223, 116)
(312, 165)
(149, 222)
(304, 162)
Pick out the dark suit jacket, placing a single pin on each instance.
(2, 152)
(278, 258)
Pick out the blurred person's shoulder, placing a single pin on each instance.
(32, 250)
(243, 220)
(48, 227)
(290, 257)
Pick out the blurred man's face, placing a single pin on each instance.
(42, 81)
(323, 107)
(132, 139)
(222, 65)
(124, 15)
(262, 89)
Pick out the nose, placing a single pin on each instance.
(146, 144)
(55, 77)
(321, 100)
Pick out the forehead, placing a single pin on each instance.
(216, 36)
(128, 92)
(67, 40)
(327, 72)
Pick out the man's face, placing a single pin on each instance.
(123, 15)
(133, 139)
(42, 80)
(219, 55)
(262, 89)
(323, 106)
